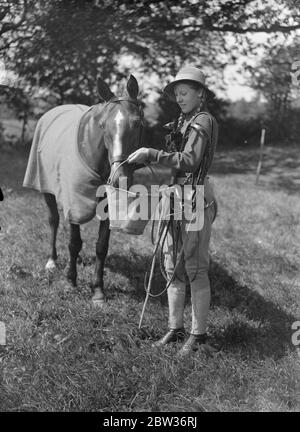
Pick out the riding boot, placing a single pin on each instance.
(176, 300)
(173, 335)
(200, 299)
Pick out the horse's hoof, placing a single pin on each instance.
(72, 278)
(51, 265)
(98, 298)
(72, 281)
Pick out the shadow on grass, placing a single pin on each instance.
(257, 324)
(135, 269)
(280, 166)
(266, 328)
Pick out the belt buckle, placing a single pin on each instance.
(206, 204)
(188, 178)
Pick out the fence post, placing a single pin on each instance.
(261, 152)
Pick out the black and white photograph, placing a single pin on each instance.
(149, 209)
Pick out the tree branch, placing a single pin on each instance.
(4, 12)
(234, 29)
(273, 28)
(12, 41)
(13, 26)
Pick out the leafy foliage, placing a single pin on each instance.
(272, 79)
(64, 45)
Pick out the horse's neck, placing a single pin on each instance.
(91, 144)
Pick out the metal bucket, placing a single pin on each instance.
(123, 211)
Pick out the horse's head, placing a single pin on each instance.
(122, 124)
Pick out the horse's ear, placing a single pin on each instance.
(103, 90)
(132, 87)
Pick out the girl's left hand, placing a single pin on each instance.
(139, 156)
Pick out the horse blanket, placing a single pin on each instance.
(55, 165)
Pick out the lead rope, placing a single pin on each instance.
(178, 259)
(162, 236)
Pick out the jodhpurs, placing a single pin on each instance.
(194, 265)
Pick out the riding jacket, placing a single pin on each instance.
(193, 149)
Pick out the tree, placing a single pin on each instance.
(18, 100)
(272, 78)
(72, 42)
(12, 15)
(64, 44)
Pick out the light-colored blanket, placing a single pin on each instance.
(55, 165)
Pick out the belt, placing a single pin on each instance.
(188, 179)
(206, 204)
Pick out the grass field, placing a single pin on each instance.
(62, 354)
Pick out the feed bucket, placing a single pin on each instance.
(124, 209)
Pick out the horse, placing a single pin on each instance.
(75, 150)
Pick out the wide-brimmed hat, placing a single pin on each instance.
(188, 73)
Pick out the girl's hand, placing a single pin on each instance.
(139, 156)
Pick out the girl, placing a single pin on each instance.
(190, 156)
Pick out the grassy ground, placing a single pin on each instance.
(64, 355)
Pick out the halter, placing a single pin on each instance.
(123, 157)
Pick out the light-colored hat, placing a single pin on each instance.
(191, 74)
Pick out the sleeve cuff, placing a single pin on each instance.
(152, 155)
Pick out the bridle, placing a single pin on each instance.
(123, 157)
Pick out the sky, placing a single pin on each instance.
(235, 80)
(235, 87)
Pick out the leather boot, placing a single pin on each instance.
(192, 344)
(173, 335)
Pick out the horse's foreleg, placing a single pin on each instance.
(53, 218)
(75, 246)
(101, 252)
